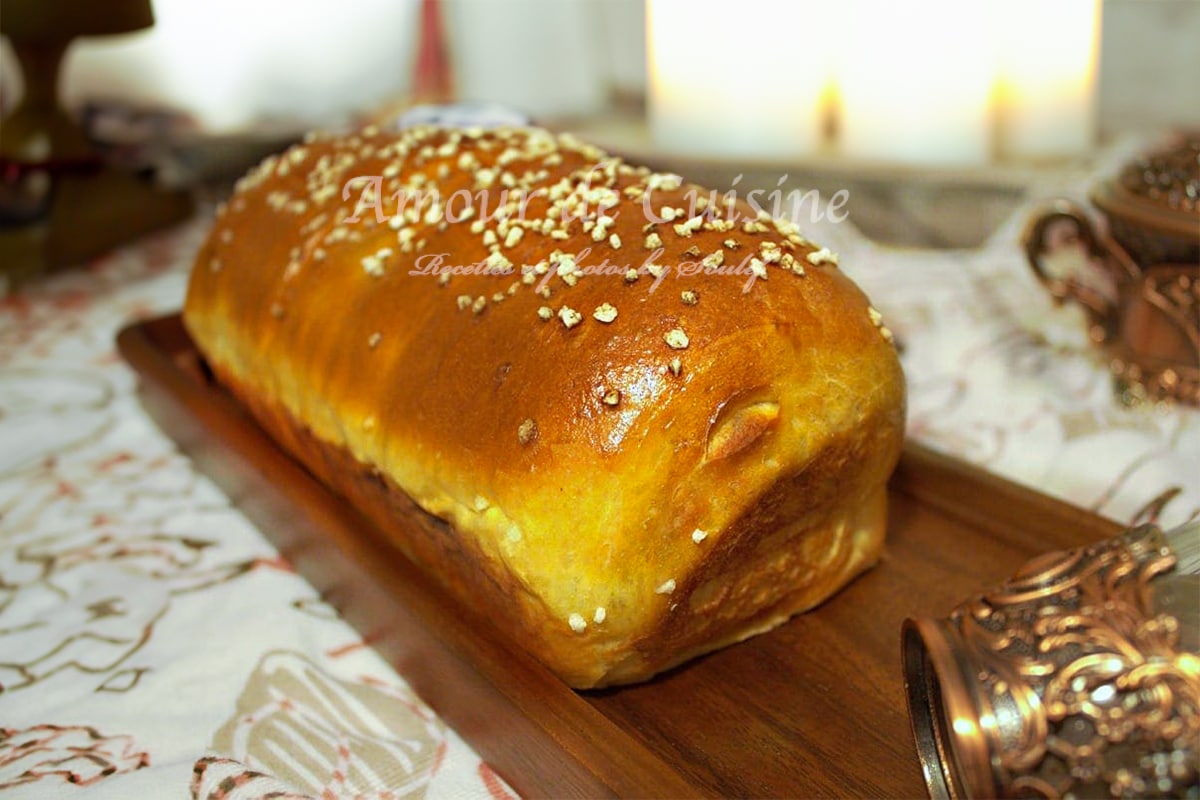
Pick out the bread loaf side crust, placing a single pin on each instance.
(625, 491)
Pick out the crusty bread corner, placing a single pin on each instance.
(638, 464)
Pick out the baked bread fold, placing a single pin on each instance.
(655, 427)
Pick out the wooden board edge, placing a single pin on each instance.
(992, 502)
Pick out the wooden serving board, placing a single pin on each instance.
(814, 708)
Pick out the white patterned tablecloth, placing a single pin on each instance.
(153, 643)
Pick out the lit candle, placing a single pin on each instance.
(915, 82)
(1046, 85)
(745, 79)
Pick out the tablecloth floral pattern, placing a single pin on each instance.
(154, 644)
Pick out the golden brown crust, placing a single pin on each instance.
(637, 468)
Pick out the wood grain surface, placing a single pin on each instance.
(815, 708)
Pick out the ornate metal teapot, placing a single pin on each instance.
(1139, 283)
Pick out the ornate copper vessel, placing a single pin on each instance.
(1138, 279)
(1080, 676)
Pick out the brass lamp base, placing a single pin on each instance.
(86, 214)
(60, 203)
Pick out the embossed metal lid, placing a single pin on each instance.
(1159, 189)
(1169, 177)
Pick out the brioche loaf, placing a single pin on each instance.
(654, 428)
